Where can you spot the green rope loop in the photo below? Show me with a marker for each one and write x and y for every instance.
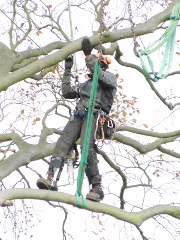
(168, 37)
(78, 201)
(83, 161)
(175, 15)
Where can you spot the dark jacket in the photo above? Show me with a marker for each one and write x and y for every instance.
(106, 89)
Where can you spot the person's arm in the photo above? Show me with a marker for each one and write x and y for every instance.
(106, 79)
(68, 91)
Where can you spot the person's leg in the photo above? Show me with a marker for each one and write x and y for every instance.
(92, 171)
(64, 144)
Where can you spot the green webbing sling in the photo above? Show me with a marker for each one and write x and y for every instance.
(85, 148)
(169, 38)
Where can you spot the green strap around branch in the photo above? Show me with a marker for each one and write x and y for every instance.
(85, 148)
(168, 37)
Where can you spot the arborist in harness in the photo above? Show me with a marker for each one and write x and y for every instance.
(75, 128)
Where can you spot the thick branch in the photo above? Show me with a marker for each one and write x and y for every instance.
(148, 133)
(24, 157)
(136, 218)
(55, 58)
(140, 147)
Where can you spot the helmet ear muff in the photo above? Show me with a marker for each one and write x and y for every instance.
(108, 59)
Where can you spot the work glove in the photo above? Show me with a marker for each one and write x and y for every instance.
(68, 63)
(86, 46)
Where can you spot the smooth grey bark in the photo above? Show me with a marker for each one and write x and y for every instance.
(135, 218)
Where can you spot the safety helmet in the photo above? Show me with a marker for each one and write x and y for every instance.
(104, 59)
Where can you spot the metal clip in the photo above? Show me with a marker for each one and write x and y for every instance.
(101, 113)
(110, 123)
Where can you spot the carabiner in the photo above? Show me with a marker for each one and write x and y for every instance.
(110, 123)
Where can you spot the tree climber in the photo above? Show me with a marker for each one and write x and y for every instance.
(75, 128)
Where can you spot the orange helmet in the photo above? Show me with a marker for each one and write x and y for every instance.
(104, 59)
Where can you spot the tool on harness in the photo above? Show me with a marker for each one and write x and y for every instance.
(70, 168)
(105, 127)
(72, 158)
(75, 162)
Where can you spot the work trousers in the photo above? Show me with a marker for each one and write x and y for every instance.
(74, 130)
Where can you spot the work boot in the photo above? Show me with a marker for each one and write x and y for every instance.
(44, 183)
(96, 194)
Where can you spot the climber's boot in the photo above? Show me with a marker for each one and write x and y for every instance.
(43, 183)
(56, 163)
(96, 194)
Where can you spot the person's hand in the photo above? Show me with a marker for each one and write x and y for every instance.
(68, 63)
(86, 46)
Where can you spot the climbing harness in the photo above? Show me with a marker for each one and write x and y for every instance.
(168, 37)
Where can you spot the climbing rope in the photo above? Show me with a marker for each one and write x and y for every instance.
(83, 161)
(167, 38)
(84, 156)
